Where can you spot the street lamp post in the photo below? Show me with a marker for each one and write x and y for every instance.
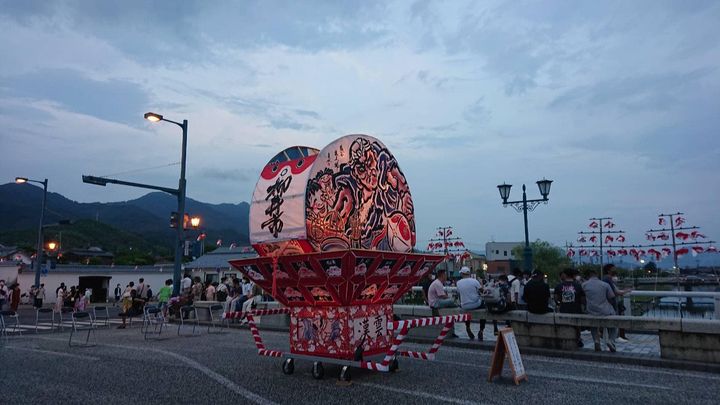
(179, 193)
(39, 254)
(524, 206)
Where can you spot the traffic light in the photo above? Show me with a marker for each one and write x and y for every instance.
(188, 223)
(173, 219)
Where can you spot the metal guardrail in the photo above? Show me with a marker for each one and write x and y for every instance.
(678, 305)
(680, 300)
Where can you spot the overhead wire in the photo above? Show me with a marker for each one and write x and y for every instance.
(142, 169)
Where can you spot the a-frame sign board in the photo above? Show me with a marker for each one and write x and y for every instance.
(507, 344)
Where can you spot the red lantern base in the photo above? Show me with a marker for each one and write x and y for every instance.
(338, 332)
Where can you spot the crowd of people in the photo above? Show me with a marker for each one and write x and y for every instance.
(530, 291)
(9, 296)
(236, 294)
(75, 297)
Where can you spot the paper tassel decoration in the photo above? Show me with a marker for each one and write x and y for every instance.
(655, 253)
(696, 234)
(681, 251)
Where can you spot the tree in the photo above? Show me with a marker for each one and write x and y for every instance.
(547, 258)
(650, 267)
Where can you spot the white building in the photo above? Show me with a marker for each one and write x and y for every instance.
(495, 251)
(101, 279)
(500, 259)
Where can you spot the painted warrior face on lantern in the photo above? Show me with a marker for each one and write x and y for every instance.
(364, 163)
(357, 197)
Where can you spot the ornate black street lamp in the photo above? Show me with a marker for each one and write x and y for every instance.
(524, 206)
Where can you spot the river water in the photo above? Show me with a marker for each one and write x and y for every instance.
(675, 307)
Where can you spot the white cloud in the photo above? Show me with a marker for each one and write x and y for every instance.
(466, 95)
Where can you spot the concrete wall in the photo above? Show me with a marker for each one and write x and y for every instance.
(52, 281)
(696, 340)
(680, 339)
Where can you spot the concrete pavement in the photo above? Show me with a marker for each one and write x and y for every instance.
(225, 368)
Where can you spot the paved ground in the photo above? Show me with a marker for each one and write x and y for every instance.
(124, 368)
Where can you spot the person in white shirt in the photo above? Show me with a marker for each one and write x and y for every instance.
(254, 296)
(60, 300)
(185, 284)
(514, 281)
(437, 297)
(521, 304)
(4, 295)
(469, 290)
(247, 286)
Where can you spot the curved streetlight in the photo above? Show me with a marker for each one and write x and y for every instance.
(178, 192)
(180, 240)
(524, 206)
(39, 254)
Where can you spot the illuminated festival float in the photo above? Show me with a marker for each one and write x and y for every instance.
(335, 231)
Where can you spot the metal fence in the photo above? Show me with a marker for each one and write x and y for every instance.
(660, 304)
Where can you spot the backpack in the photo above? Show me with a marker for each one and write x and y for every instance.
(497, 299)
(221, 295)
(491, 295)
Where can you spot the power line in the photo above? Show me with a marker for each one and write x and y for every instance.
(141, 170)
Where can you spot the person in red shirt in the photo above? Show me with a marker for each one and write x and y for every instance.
(15, 297)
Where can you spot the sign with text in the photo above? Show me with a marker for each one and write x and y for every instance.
(507, 344)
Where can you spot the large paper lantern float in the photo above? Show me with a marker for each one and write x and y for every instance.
(334, 230)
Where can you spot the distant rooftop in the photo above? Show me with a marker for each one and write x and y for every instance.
(218, 258)
(79, 268)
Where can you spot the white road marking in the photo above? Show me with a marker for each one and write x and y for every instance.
(588, 363)
(77, 356)
(564, 376)
(421, 394)
(603, 381)
(222, 380)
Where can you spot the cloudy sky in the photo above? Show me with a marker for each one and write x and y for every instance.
(617, 102)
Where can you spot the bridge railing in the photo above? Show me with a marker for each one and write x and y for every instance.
(666, 304)
(673, 304)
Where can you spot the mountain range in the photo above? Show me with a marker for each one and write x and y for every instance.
(147, 217)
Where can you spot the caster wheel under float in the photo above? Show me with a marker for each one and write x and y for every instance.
(288, 366)
(394, 365)
(318, 372)
(344, 374)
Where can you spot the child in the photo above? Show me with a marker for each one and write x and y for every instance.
(80, 302)
(164, 296)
